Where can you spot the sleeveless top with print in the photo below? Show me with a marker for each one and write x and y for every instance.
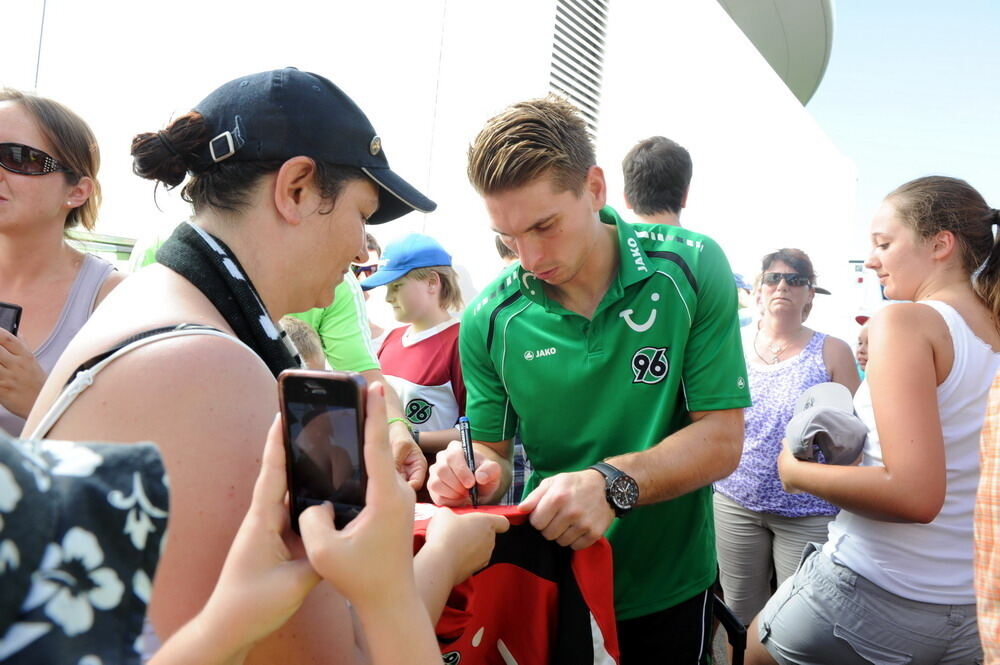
(755, 484)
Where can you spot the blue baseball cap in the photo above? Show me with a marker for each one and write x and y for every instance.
(400, 257)
(284, 113)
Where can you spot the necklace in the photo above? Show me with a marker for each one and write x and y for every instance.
(775, 350)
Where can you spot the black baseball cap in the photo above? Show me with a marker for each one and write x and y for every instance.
(284, 113)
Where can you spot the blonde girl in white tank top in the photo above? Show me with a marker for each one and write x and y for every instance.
(905, 531)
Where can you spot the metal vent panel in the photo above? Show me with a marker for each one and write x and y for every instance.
(578, 54)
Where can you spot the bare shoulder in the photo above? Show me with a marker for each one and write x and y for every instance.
(110, 282)
(907, 319)
(834, 347)
(174, 389)
(839, 360)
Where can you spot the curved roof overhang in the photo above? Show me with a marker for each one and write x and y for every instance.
(794, 36)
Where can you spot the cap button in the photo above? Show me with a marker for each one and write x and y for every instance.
(375, 147)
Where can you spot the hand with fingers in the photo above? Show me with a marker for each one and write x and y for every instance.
(262, 583)
(450, 478)
(410, 462)
(21, 377)
(370, 561)
(456, 546)
(570, 508)
(372, 554)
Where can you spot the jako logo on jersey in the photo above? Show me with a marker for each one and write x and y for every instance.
(451, 658)
(640, 263)
(419, 411)
(540, 353)
(650, 365)
(640, 327)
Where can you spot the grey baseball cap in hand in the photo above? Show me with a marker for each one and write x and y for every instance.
(824, 420)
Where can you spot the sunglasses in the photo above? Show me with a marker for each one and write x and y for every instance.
(791, 278)
(365, 271)
(23, 159)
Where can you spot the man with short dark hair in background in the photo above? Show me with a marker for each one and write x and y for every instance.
(657, 177)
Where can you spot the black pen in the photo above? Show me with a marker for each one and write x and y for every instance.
(464, 431)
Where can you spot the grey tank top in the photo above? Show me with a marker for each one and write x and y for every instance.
(75, 312)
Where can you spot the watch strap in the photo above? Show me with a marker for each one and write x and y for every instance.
(608, 471)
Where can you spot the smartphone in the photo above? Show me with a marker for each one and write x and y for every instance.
(323, 416)
(10, 317)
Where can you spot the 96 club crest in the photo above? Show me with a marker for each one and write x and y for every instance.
(650, 364)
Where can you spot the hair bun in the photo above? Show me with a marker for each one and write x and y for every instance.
(164, 155)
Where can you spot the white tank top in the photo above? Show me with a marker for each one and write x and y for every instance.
(930, 563)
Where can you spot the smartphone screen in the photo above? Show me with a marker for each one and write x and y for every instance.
(10, 317)
(323, 422)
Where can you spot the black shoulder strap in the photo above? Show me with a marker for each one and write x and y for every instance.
(131, 340)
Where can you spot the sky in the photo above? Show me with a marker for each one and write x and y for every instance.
(913, 88)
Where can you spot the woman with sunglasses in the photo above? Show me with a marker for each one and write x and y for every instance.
(48, 184)
(894, 581)
(760, 528)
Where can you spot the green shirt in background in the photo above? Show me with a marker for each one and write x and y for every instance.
(343, 328)
(663, 342)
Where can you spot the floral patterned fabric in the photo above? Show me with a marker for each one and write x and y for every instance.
(81, 530)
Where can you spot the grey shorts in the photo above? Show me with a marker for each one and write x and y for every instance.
(826, 614)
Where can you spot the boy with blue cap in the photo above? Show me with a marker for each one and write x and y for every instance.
(420, 361)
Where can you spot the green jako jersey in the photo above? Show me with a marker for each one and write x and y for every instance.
(663, 342)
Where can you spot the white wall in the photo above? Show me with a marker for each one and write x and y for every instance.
(429, 74)
(765, 174)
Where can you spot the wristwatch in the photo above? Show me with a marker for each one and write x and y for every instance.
(620, 489)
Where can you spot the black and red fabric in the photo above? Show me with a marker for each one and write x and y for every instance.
(536, 603)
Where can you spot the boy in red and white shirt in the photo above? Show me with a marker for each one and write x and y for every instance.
(420, 361)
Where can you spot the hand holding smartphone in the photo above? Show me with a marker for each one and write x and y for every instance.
(10, 317)
(323, 415)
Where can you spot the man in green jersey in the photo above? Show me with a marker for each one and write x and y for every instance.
(614, 351)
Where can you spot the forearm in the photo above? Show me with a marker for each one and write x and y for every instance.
(706, 450)
(506, 470)
(433, 584)
(436, 440)
(870, 491)
(398, 630)
(399, 430)
(204, 640)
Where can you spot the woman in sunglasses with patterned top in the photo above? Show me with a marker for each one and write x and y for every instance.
(759, 526)
(48, 183)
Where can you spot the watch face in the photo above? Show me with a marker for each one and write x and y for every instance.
(624, 492)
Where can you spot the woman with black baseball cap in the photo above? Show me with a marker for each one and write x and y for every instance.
(283, 171)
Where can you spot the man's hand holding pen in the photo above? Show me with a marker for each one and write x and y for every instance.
(464, 474)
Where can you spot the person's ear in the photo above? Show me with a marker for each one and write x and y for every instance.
(295, 192)
(80, 192)
(943, 244)
(628, 204)
(433, 282)
(684, 199)
(596, 188)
